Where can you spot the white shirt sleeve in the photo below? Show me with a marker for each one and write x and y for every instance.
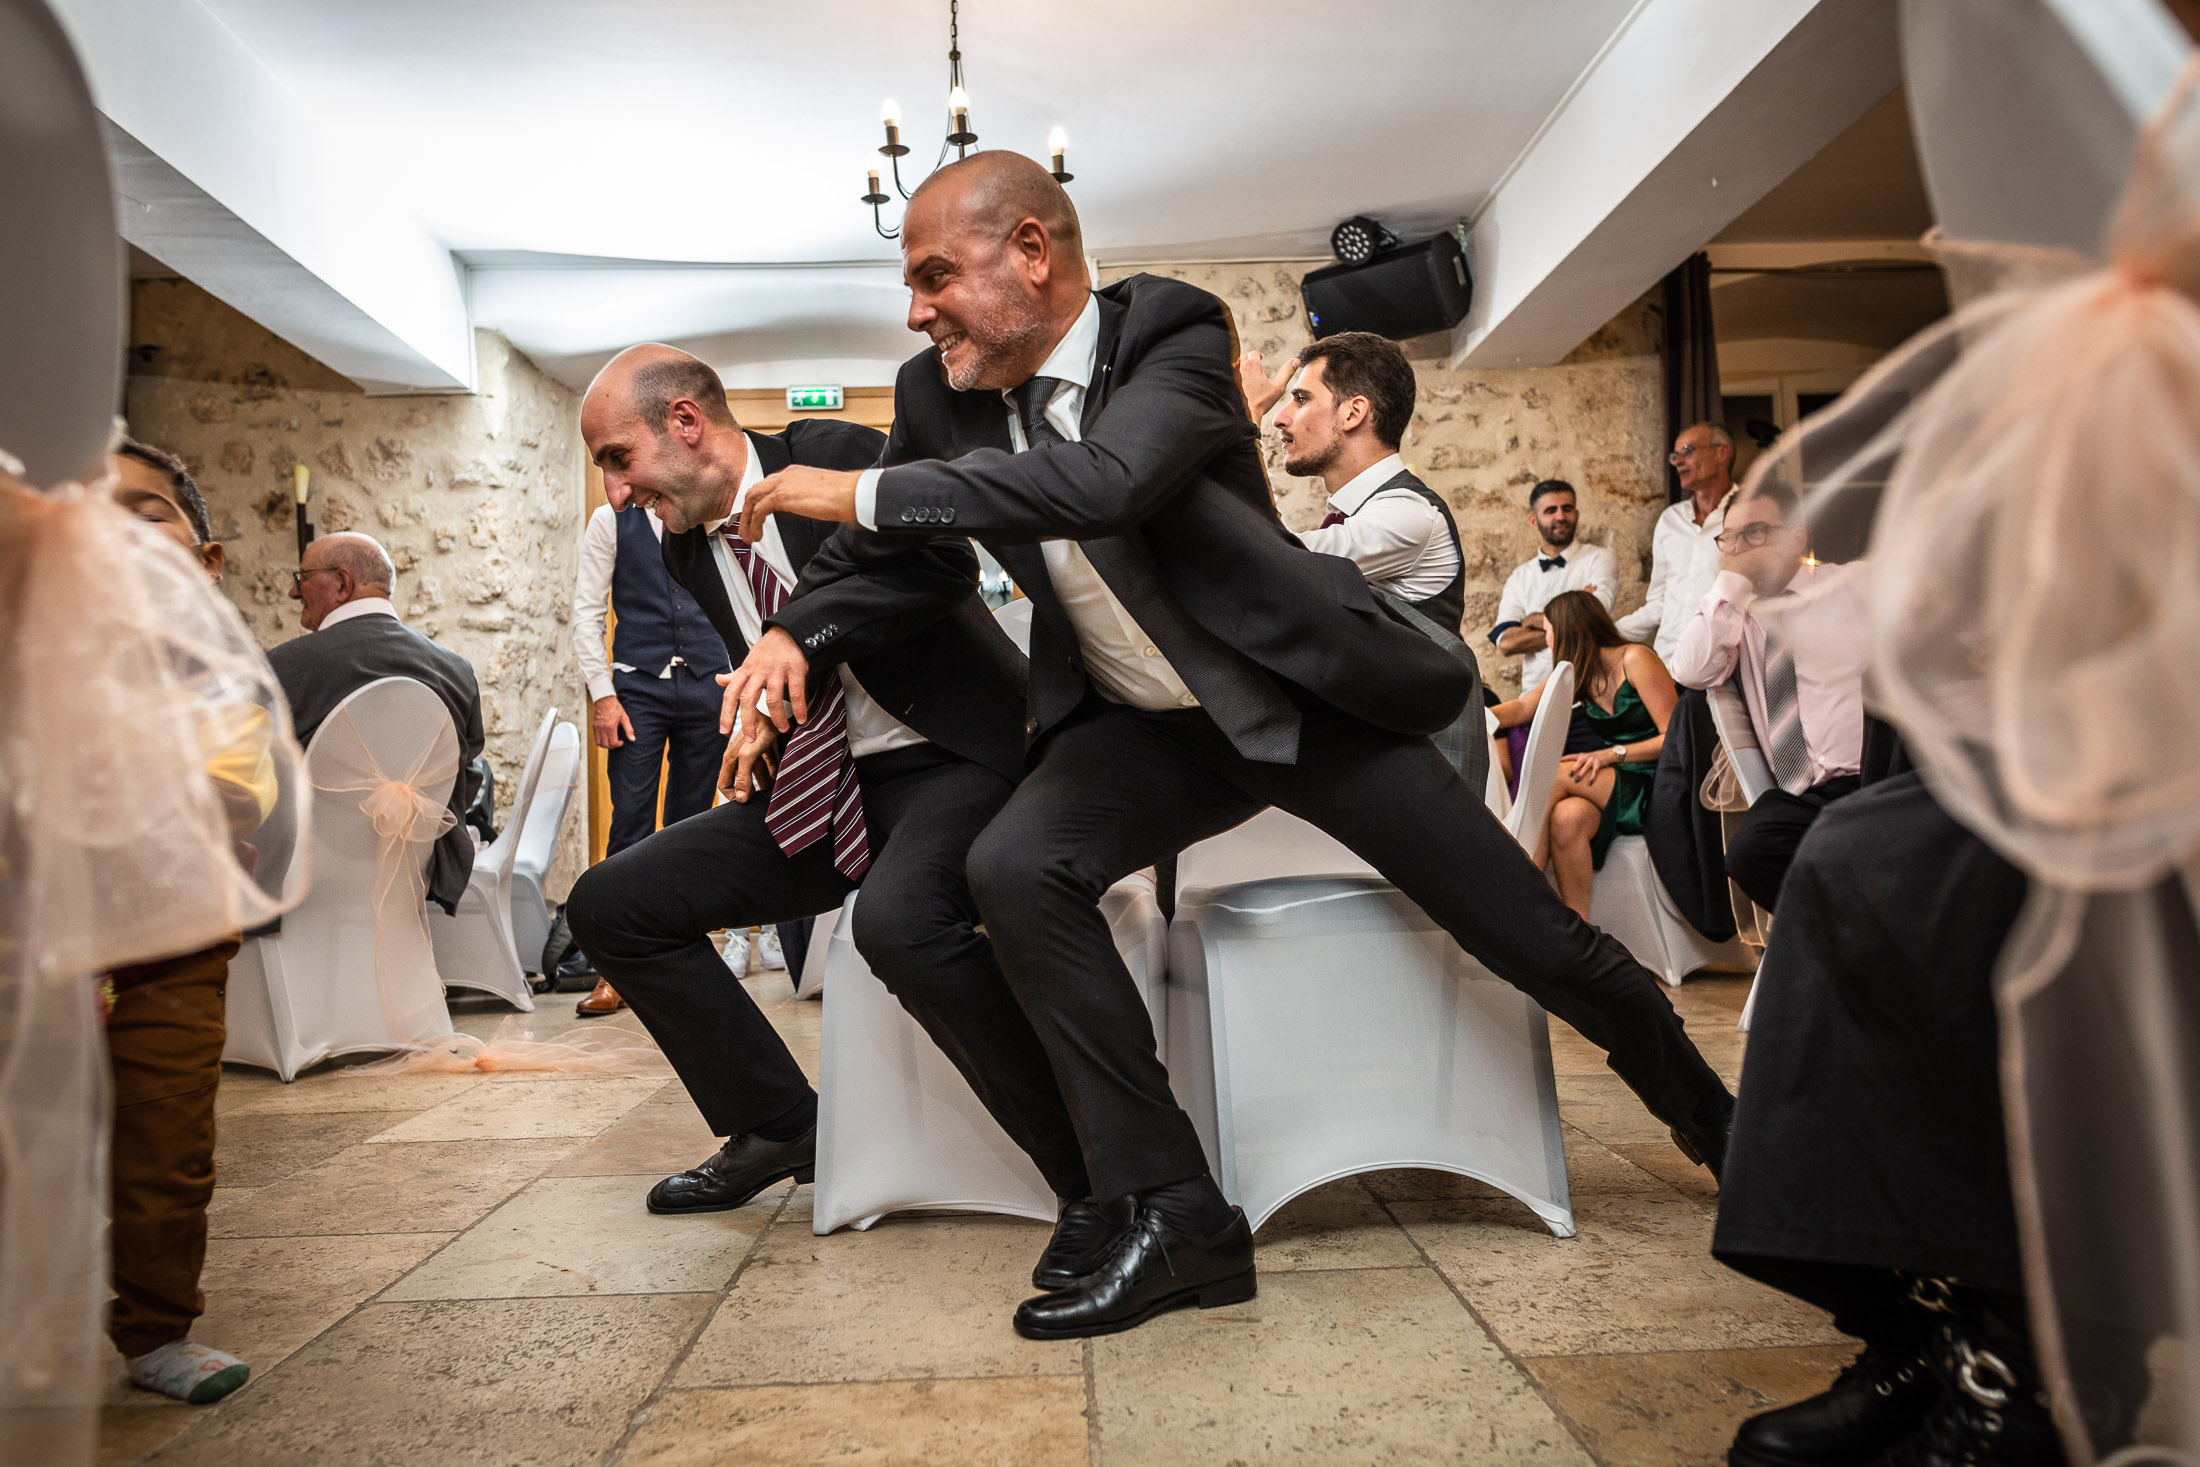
(867, 498)
(1386, 538)
(1641, 624)
(592, 600)
(1512, 605)
(1711, 648)
(1601, 569)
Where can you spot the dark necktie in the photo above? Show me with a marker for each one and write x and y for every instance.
(1556, 562)
(1332, 518)
(815, 788)
(1031, 410)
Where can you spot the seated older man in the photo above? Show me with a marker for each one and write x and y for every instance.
(353, 637)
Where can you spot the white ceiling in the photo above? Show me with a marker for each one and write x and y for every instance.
(629, 134)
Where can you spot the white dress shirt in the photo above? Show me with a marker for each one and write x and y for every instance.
(1120, 658)
(1396, 538)
(1684, 558)
(592, 600)
(1530, 588)
(358, 606)
(1825, 629)
(871, 729)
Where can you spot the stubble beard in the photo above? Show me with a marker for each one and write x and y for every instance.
(1314, 463)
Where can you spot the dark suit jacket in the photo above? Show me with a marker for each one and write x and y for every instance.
(320, 669)
(1167, 495)
(907, 620)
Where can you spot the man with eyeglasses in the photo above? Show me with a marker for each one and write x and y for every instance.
(1683, 558)
(1791, 632)
(342, 585)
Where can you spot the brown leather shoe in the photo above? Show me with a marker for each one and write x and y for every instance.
(602, 999)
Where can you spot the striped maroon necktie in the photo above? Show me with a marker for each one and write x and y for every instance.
(815, 789)
(1332, 518)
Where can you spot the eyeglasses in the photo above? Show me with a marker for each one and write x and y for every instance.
(298, 577)
(1748, 537)
(1688, 451)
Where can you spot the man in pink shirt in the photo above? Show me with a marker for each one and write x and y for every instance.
(1802, 677)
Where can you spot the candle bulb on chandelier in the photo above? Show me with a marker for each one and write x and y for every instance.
(1058, 145)
(889, 112)
(958, 108)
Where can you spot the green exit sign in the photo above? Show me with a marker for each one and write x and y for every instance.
(813, 399)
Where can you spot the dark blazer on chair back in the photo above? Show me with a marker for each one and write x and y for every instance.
(321, 669)
(910, 625)
(1167, 495)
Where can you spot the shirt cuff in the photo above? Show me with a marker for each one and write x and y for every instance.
(1500, 629)
(601, 687)
(1730, 586)
(867, 498)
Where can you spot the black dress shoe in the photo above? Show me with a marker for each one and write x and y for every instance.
(1875, 1403)
(1704, 1142)
(1082, 1234)
(743, 1167)
(1150, 1268)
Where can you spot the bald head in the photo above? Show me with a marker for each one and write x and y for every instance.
(657, 422)
(995, 192)
(339, 568)
(995, 263)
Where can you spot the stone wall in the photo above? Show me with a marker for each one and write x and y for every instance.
(1482, 439)
(477, 498)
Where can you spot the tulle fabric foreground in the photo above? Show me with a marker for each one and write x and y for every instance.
(126, 677)
(406, 809)
(2025, 481)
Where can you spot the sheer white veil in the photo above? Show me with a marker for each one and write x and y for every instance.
(2023, 480)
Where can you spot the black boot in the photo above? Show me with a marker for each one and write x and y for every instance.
(1993, 1409)
(1876, 1402)
(1082, 1232)
(1151, 1267)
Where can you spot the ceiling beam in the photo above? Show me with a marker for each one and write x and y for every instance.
(1693, 112)
(226, 177)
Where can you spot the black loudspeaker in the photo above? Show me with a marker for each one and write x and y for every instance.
(1408, 291)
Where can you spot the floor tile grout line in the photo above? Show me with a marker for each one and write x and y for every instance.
(1092, 1406)
(864, 1380)
(640, 1415)
(1558, 1412)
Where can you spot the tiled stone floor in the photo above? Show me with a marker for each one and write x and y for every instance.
(430, 1270)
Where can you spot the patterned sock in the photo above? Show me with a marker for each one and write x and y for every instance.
(190, 1372)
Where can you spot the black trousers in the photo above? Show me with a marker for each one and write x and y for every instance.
(645, 916)
(679, 714)
(1764, 846)
(1116, 789)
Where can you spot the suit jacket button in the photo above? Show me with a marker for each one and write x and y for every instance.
(908, 515)
(947, 516)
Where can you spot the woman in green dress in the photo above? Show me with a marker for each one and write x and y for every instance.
(1627, 695)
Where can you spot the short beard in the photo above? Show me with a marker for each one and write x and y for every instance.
(1569, 531)
(1315, 462)
(996, 338)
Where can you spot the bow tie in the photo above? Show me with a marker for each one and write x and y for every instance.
(1556, 562)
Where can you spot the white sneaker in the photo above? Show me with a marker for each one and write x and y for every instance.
(736, 952)
(768, 953)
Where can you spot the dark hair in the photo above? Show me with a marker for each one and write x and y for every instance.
(1550, 486)
(658, 385)
(1580, 628)
(1362, 364)
(179, 479)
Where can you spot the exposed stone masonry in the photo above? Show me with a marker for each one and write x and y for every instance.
(477, 497)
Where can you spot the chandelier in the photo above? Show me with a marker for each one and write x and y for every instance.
(960, 137)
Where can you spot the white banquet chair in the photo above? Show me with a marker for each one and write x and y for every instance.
(474, 948)
(538, 844)
(1554, 715)
(1752, 775)
(312, 989)
(898, 1128)
(1321, 1025)
(810, 982)
(1632, 904)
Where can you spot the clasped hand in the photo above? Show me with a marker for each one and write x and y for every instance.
(765, 696)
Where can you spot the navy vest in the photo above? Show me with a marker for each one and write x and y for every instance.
(658, 619)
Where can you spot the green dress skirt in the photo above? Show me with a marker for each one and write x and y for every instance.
(1629, 722)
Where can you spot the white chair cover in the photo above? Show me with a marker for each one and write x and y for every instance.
(1539, 761)
(342, 975)
(475, 948)
(538, 845)
(1494, 793)
(1320, 1025)
(898, 1129)
(1752, 774)
(1631, 903)
(810, 983)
